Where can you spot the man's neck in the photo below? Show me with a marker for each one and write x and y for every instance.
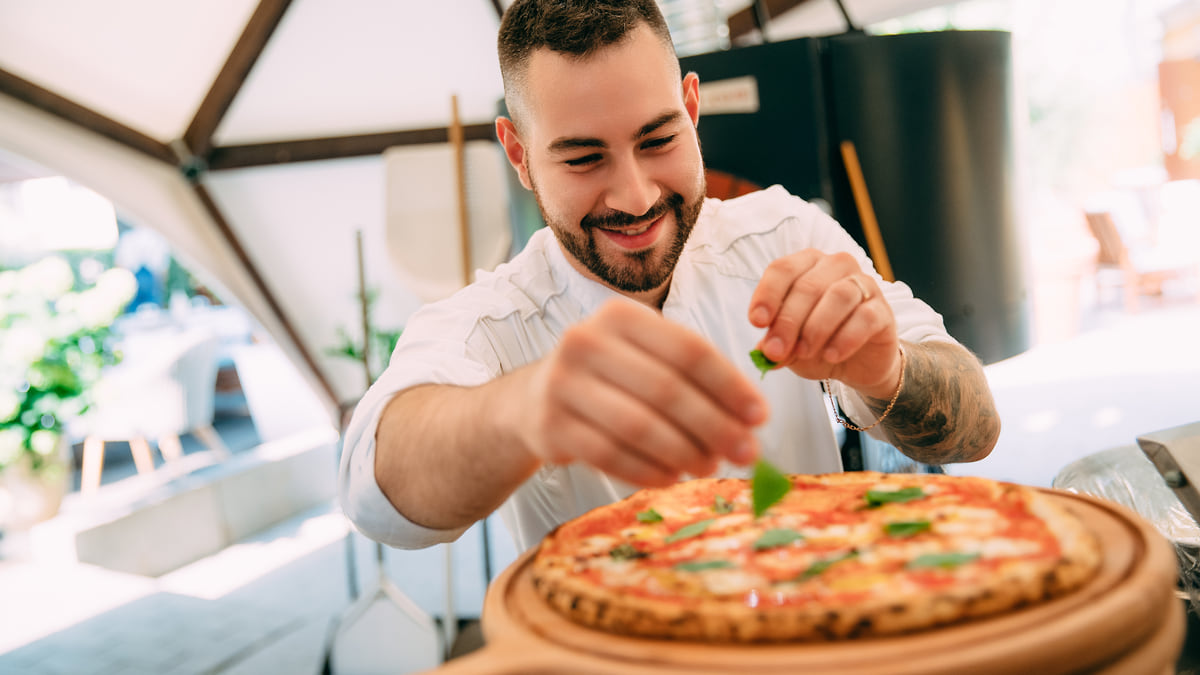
(653, 298)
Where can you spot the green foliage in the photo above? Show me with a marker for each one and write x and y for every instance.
(649, 516)
(777, 537)
(381, 342)
(877, 498)
(767, 486)
(761, 362)
(688, 531)
(54, 342)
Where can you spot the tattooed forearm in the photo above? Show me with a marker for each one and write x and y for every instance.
(945, 412)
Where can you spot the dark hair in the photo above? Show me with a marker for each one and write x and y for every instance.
(576, 27)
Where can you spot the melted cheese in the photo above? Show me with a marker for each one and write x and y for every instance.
(732, 581)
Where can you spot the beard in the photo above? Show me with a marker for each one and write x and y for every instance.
(632, 271)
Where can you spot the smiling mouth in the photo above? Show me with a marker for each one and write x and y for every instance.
(634, 230)
(631, 232)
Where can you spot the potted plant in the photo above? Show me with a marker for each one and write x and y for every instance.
(55, 338)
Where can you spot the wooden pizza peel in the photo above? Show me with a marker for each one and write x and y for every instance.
(1125, 621)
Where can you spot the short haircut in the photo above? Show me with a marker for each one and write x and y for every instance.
(575, 27)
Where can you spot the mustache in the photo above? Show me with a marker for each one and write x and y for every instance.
(620, 220)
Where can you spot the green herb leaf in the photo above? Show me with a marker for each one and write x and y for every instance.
(762, 362)
(779, 537)
(942, 560)
(626, 551)
(688, 531)
(767, 486)
(906, 528)
(822, 565)
(722, 505)
(649, 516)
(702, 565)
(876, 498)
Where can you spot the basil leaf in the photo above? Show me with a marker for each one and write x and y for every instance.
(822, 565)
(942, 560)
(779, 537)
(722, 505)
(762, 362)
(688, 531)
(767, 486)
(649, 516)
(701, 565)
(906, 528)
(626, 551)
(876, 498)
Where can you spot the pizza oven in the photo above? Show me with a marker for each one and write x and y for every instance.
(929, 115)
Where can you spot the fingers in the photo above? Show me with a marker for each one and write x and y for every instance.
(775, 285)
(639, 436)
(821, 308)
(842, 321)
(596, 448)
(687, 356)
(667, 413)
(643, 399)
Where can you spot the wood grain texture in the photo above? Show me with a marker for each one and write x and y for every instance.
(1126, 620)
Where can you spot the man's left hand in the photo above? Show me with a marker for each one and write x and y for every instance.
(826, 318)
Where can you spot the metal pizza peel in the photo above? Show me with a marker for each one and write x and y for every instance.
(1175, 452)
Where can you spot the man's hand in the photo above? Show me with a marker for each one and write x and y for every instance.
(640, 398)
(827, 319)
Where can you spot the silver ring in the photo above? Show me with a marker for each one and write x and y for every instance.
(866, 295)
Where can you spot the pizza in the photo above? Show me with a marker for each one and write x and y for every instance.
(838, 556)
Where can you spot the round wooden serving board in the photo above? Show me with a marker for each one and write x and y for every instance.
(1126, 620)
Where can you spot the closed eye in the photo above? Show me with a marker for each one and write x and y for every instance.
(583, 161)
(658, 142)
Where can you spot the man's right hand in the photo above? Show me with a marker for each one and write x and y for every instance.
(640, 398)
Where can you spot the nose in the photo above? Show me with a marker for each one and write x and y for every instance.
(632, 190)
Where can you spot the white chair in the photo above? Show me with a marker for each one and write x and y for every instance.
(164, 390)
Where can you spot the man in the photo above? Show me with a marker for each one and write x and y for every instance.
(613, 352)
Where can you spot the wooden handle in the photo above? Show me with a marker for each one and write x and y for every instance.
(364, 307)
(866, 212)
(499, 659)
(460, 170)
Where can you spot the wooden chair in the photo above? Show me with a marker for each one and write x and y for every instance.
(160, 397)
(1141, 273)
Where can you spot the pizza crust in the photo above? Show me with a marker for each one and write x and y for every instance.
(685, 612)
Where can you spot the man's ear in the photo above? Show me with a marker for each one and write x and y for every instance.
(691, 96)
(514, 149)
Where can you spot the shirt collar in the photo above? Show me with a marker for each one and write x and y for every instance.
(589, 294)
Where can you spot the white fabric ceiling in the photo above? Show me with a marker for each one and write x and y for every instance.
(328, 69)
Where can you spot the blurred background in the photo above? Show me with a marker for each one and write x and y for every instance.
(216, 218)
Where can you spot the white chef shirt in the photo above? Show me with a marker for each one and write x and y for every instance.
(516, 314)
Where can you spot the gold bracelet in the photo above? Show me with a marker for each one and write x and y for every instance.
(850, 425)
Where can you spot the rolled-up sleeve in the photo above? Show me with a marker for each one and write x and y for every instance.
(427, 353)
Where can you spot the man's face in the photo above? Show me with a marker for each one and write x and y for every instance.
(609, 149)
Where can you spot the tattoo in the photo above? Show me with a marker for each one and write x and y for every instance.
(945, 413)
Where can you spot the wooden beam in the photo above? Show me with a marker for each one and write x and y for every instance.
(746, 20)
(850, 27)
(228, 83)
(314, 149)
(762, 17)
(66, 109)
(239, 251)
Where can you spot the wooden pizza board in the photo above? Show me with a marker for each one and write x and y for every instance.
(1126, 620)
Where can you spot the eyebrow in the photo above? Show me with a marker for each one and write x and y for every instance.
(574, 143)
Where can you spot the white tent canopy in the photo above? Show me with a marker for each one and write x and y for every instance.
(255, 136)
